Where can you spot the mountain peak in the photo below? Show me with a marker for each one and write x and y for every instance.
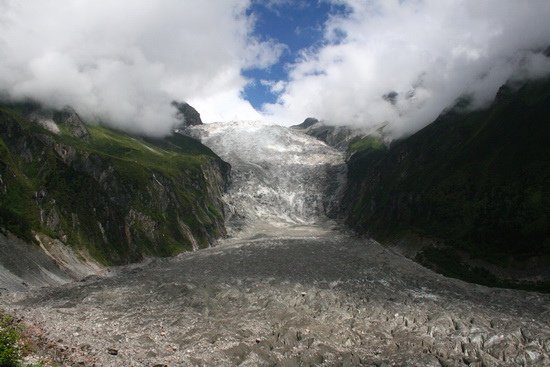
(70, 118)
(187, 114)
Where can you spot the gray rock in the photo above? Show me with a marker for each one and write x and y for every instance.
(337, 137)
(69, 118)
(187, 114)
(308, 122)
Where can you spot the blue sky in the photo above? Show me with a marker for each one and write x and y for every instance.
(298, 25)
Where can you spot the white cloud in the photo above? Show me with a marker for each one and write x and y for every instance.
(274, 86)
(124, 61)
(428, 51)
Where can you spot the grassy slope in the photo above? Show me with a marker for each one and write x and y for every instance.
(126, 172)
(479, 181)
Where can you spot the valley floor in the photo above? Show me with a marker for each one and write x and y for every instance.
(300, 297)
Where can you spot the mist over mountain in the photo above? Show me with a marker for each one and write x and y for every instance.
(106, 195)
(155, 211)
(404, 62)
(395, 62)
(289, 286)
(468, 195)
(123, 62)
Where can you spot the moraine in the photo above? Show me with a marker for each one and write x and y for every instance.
(288, 287)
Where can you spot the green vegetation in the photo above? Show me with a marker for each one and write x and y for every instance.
(10, 355)
(477, 181)
(449, 262)
(120, 197)
(365, 144)
(12, 345)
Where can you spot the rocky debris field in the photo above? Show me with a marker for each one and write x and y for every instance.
(315, 297)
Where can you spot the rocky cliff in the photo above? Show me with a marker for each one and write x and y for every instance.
(469, 195)
(105, 195)
(187, 114)
(339, 137)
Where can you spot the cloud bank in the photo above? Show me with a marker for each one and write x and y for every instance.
(403, 62)
(400, 62)
(123, 61)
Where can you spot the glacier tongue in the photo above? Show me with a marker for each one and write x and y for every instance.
(280, 177)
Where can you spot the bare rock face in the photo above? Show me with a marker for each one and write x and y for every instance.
(187, 114)
(308, 122)
(24, 265)
(337, 137)
(74, 123)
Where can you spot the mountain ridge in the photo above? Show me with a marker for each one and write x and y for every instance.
(469, 190)
(117, 197)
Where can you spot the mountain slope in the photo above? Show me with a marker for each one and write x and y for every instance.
(113, 196)
(475, 186)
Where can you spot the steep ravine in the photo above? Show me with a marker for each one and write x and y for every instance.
(288, 288)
